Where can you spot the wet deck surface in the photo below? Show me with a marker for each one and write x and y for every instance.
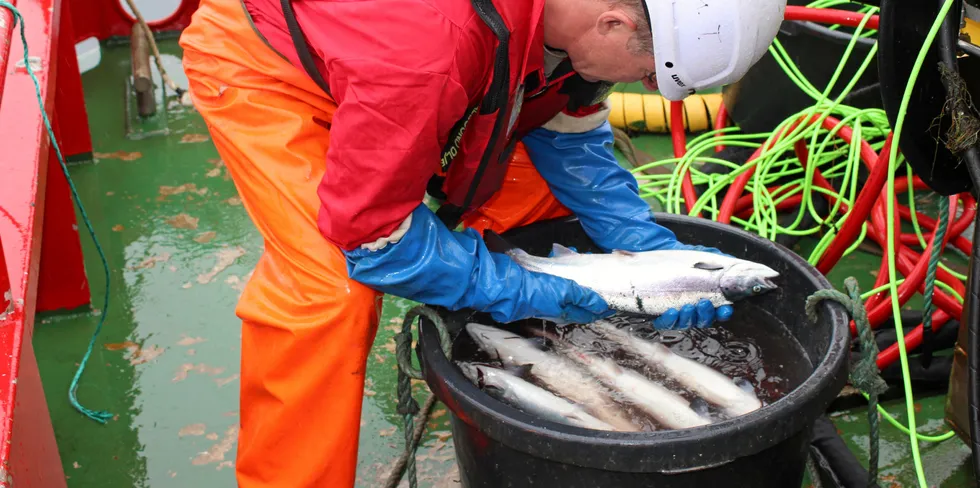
(180, 247)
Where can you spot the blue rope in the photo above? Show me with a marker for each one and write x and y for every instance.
(98, 416)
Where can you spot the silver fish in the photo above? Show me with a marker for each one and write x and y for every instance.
(707, 383)
(651, 282)
(557, 373)
(667, 407)
(529, 397)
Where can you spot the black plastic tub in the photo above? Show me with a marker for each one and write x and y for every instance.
(500, 446)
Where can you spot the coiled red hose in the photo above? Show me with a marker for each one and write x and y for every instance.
(869, 208)
(862, 208)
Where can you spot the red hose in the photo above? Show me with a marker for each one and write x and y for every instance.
(914, 271)
(902, 184)
(877, 232)
(735, 190)
(746, 201)
(940, 298)
(928, 223)
(959, 242)
(925, 221)
(913, 339)
(802, 153)
(790, 203)
(913, 267)
(720, 123)
(911, 264)
(862, 207)
(868, 155)
(680, 149)
(969, 212)
(957, 225)
(829, 16)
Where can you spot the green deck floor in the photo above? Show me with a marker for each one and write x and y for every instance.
(180, 247)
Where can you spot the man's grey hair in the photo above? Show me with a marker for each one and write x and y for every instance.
(642, 41)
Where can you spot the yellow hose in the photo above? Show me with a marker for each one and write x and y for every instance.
(650, 112)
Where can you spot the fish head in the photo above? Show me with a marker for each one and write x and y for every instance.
(747, 279)
(489, 338)
(470, 371)
(483, 377)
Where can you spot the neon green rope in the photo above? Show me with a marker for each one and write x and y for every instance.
(890, 249)
(778, 165)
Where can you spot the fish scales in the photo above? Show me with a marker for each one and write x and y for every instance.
(709, 384)
(557, 373)
(532, 398)
(653, 282)
(667, 407)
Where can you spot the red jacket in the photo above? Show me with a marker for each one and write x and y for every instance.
(405, 73)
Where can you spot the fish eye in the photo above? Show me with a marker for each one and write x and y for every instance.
(757, 289)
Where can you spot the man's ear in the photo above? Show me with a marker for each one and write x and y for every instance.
(611, 20)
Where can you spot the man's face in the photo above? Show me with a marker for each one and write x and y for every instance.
(605, 53)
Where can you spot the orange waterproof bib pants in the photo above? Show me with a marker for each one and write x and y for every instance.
(306, 327)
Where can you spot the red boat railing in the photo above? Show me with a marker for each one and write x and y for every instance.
(41, 266)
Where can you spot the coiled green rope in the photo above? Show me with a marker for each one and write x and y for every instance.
(408, 408)
(864, 375)
(779, 166)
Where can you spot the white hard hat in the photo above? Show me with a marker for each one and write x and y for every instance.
(702, 44)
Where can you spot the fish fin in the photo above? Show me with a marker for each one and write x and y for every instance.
(558, 250)
(496, 243)
(708, 266)
(492, 391)
(523, 371)
(624, 253)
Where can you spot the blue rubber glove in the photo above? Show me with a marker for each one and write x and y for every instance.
(701, 315)
(583, 174)
(433, 265)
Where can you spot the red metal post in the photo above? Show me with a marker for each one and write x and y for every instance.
(34, 457)
(75, 138)
(62, 284)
